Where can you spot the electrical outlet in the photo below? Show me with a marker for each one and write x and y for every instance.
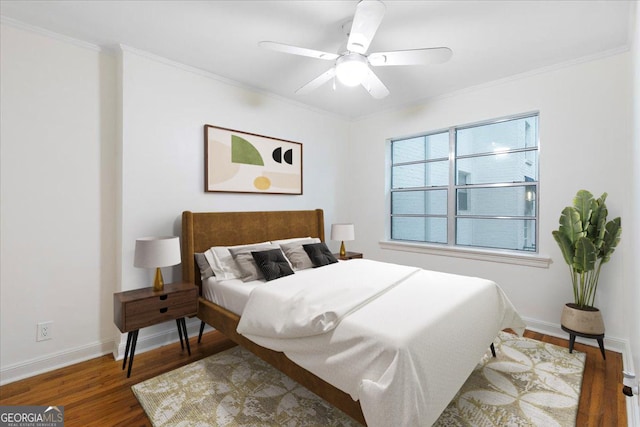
(44, 331)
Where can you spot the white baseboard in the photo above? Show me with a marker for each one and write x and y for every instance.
(40, 365)
(610, 343)
(619, 345)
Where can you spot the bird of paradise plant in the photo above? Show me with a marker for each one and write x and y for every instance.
(587, 241)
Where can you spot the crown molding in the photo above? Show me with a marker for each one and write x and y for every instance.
(228, 81)
(41, 31)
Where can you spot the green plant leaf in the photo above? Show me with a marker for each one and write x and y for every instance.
(584, 204)
(596, 228)
(613, 230)
(585, 256)
(565, 246)
(570, 224)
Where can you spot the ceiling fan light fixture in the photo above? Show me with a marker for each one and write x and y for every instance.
(353, 61)
(351, 69)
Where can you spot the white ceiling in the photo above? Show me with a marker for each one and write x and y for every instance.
(490, 40)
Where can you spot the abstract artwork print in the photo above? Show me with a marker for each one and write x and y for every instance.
(242, 162)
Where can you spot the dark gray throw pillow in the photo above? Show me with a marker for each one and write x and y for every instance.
(320, 254)
(244, 260)
(272, 264)
(205, 269)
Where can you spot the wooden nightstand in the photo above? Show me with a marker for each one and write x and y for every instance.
(348, 255)
(139, 308)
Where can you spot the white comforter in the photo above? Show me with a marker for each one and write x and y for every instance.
(403, 346)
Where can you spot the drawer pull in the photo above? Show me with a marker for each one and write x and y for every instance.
(163, 297)
(164, 310)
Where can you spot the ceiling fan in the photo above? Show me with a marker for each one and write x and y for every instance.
(352, 65)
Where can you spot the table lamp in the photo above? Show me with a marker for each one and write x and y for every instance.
(342, 232)
(156, 252)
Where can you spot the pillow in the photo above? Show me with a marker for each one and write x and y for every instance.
(222, 263)
(296, 254)
(319, 254)
(205, 268)
(294, 239)
(246, 264)
(272, 264)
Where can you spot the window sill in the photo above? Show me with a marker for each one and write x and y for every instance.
(503, 257)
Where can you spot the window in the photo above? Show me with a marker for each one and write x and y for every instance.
(474, 186)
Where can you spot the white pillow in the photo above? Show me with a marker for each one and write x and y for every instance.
(295, 253)
(294, 239)
(222, 263)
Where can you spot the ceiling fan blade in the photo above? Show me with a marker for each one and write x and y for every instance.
(433, 55)
(317, 82)
(295, 50)
(374, 85)
(366, 21)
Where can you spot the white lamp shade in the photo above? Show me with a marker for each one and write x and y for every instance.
(154, 252)
(343, 232)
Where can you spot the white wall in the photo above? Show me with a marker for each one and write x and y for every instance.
(99, 149)
(585, 140)
(633, 276)
(164, 108)
(57, 210)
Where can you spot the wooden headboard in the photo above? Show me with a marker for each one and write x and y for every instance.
(202, 230)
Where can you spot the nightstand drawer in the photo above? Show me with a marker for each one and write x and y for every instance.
(141, 319)
(139, 308)
(153, 304)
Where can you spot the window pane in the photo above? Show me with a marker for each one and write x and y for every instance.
(504, 201)
(426, 147)
(511, 167)
(496, 137)
(438, 146)
(432, 202)
(516, 234)
(420, 175)
(408, 150)
(419, 229)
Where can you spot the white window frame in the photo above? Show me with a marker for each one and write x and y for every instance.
(529, 258)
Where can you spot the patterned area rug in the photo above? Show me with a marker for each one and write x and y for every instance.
(529, 383)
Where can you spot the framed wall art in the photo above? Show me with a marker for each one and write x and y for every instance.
(241, 162)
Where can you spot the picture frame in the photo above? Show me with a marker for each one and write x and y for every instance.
(243, 162)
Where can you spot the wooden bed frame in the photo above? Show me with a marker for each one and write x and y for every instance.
(201, 231)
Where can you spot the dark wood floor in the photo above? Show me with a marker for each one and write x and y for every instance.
(98, 393)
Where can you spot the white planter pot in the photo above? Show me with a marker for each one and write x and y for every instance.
(586, 320)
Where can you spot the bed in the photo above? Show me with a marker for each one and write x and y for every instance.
(415, 370)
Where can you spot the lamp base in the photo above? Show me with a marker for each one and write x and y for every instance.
(343, 251)
(158, 283)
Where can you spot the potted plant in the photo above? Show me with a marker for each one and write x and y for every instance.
(587, 241)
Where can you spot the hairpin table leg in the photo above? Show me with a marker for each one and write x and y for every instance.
(201, 331)
(126, 351)
(180, 333)
(133, 350)
(182, 328)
